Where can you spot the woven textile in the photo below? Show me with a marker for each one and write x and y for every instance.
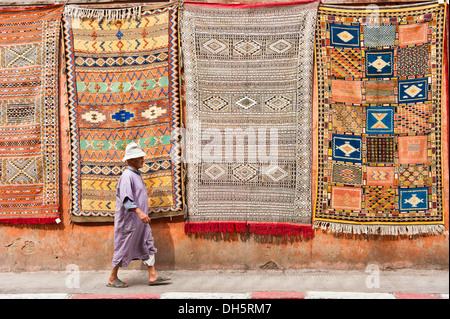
(123, 87)
(249, 117)
(29, 130)
(380, 120)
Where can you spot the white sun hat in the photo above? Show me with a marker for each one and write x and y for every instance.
(133, 151)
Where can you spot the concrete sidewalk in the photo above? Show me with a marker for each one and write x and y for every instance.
(265, 284)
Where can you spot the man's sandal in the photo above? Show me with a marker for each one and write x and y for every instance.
(117, 284)
(159, 280)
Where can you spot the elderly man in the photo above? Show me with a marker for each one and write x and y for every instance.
(133, 238)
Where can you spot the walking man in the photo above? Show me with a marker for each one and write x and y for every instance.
(133, 238)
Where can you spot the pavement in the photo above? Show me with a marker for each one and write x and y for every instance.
(230, 284)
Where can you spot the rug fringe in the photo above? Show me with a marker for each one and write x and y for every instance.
(384, 230)
(16, 221)
(108, 14)
(278, 229)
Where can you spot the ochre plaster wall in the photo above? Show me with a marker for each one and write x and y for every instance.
(90, 246)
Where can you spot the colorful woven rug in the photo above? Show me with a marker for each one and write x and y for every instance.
(123, 86)
(29, 130)
(380, 120)
(248, 75)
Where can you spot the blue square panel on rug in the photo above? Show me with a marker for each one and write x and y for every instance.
(347, 148)
(345, 36)
(380, 120)
(413, 199)
(379, 64)
(411, 91)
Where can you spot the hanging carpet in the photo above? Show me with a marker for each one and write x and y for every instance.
(381, 123)
(248, 72)
(123, 86)
(29, 129)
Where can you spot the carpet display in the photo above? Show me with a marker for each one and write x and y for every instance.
(248, 72)
(29, 128)
(123, 86)
(380, 130)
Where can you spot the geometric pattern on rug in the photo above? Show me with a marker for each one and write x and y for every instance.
(413, 118)
(123, 86)
(391, 129)
(345, 63)
(340, 115)
(29, 126)
(248, 81)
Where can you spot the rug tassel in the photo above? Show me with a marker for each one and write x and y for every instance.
(384, 230)
(108, 14)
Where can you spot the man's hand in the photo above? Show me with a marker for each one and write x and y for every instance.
(142, 216)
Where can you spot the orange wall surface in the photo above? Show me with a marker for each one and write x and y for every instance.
(90, 246)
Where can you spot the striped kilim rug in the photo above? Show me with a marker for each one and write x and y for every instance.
(29, 130)
(123, 86)
(381, 123)
(248, 72)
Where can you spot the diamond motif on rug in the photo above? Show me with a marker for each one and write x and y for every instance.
(21, 55)
(280, 46)
(22, 171)
(245, 172)
(275, 173)
(215, 171)
(247, 47)
(246, 103)
(278, 102)
(215, 103)
(215, 46)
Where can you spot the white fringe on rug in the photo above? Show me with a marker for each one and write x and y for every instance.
(108, 14)
(393, 230)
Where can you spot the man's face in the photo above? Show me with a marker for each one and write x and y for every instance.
(136, 162)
